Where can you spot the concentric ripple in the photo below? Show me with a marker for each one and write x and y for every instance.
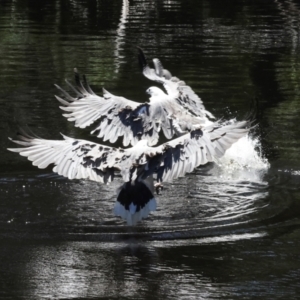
(215, 200)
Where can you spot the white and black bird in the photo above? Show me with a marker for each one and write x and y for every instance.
(139, 165)
(176, 89)
(121, 117)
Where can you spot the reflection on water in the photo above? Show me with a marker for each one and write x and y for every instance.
(120, 39)
(228, 230)
(139, 270)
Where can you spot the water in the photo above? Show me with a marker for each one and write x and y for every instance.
(228, 230)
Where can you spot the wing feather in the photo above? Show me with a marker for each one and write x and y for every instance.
(120, 117)
(176, 88)
(74, 158)
(71, 158)
(184, 154)
(117, 116)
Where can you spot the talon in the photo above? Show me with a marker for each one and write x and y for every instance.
(158, 187)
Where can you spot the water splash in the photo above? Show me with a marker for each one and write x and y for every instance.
(243, 161)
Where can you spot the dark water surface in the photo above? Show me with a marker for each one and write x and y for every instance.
(222, 232)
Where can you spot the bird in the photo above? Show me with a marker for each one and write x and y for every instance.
(134, 121)
(142, 167)
(121, 117)
(174, 113)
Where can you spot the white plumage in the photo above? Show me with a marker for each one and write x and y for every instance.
(179, 111)
(81, 159)
(174, 113)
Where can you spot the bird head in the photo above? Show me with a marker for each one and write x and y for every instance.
(155, 92)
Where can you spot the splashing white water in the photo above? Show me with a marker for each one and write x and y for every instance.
(243, 161)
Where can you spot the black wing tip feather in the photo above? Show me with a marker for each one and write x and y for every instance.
(253, 113)
(28, 133)
(142, 58)
(85, 87)
(23, 138)
(81, 88)
(78, 82)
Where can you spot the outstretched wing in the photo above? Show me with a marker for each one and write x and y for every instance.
(198, 147)
(117, 116)
(176, 88)
(73, 158)
(182, 155)
(224, 135)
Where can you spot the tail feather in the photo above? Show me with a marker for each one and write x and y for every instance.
(134, 202)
